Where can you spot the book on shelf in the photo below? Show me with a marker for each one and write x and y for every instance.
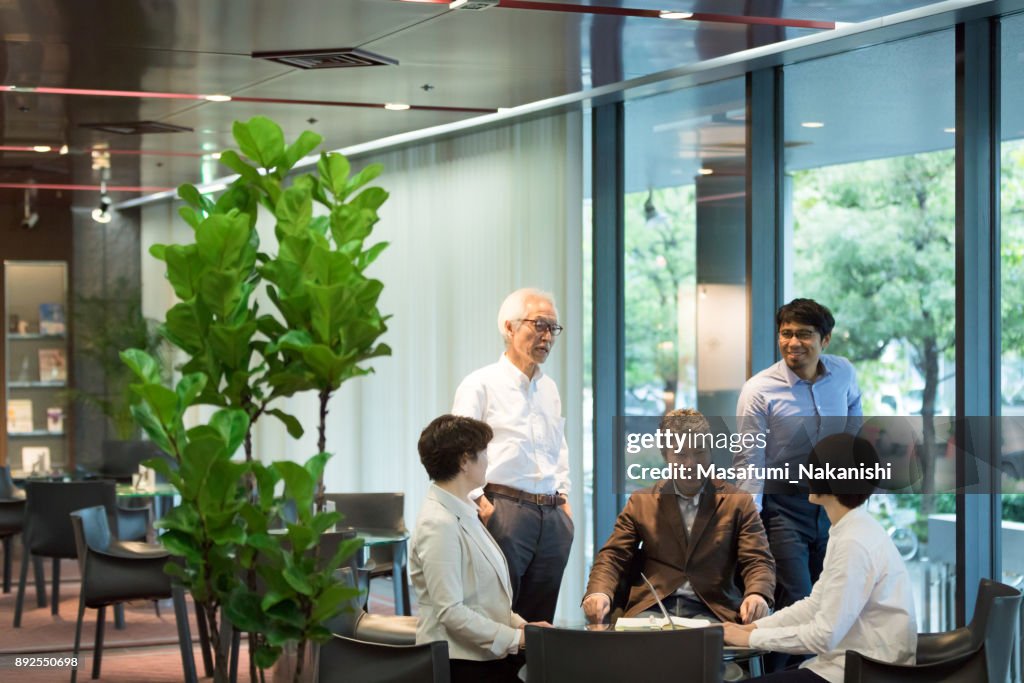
(35, 459)
(53, 365)
(51, 319)
(55, 419)
(19, 415)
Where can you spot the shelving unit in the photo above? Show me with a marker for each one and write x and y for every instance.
(36, 361)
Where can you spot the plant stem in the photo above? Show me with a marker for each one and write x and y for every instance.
(321, 444)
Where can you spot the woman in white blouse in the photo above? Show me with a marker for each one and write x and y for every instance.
(862, 601)
(458, 571)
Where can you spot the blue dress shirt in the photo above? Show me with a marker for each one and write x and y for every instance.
(795, 414)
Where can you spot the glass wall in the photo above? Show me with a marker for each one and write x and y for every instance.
(685, 297)
(1012, 303)
(869, 232)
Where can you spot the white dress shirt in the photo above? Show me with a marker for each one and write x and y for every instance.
(528, 451)
(461, 581)
(862, 601)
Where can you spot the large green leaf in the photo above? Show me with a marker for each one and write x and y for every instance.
(261, 140)
(294, 210)
(183, 269)
(232, 426)
(222, 239)
(334, 170)
(145, 367)
(290, 422)
(231, 344)
(306, 143)
(231, 159)
(298, 485)
(298, 581)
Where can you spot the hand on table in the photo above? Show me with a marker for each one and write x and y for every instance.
(596, 606)
(738, 635)
(522, 632)
(753, 608)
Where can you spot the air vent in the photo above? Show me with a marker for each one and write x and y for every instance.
(337, 58)
(136, 127)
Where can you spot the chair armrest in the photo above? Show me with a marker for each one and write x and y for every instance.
(936, 647)
(968, 667)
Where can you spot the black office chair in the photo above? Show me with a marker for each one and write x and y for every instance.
(12, 518)
(48, 531)
(995, 624)
(346, 659)
(381, 512)
(355, 622)
(558, 655)
(966, 667)
(113, 572)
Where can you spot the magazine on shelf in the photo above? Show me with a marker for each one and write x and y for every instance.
(51, 319)
(55, 419)
(35, 459)
(53, 365)
(19, 415)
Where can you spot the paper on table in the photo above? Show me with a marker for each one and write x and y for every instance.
(655, 623)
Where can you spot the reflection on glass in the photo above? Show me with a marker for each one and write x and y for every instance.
(685, 296)
(870, 234)
(1012, 303)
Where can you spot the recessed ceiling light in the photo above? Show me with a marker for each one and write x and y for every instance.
(455, 4)
(215, 156)
(812, 124)
(41, 148)
(63, 149)
(396, 106)
(217, 98)
(672, 14)
(949, 130)
(705, 171)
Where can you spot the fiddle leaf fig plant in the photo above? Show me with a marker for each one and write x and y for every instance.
(322, 328)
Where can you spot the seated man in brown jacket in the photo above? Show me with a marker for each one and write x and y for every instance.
(688, 537)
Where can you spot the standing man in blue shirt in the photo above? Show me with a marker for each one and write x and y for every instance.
(795, 403)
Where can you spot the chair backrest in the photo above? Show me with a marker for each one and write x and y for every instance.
(92, 531)
(48, 530)
(996, 623)
(346, 659)
(554, 654)
(371, 510)
(7, 487)
(964, 668)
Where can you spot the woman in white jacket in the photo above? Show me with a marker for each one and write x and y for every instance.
(458, 571)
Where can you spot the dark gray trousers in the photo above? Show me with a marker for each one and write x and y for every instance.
(535, 540)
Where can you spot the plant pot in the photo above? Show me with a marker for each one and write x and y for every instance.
(283, 670)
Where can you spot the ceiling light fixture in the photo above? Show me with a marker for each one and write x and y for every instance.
(101, 214)
(396, 106)
(63, 150)
(673, 14)
(949, 130)
(42, 149)
(217, 98)
(31, 217)
(812, 124)
(456, 4)
(705, 171)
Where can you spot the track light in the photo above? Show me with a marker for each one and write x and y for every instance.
(101, 214)
(31, 217)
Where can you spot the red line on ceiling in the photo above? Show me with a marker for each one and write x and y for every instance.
(90, 188)
(653, 13)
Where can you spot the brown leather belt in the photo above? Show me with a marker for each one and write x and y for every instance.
(550, 499)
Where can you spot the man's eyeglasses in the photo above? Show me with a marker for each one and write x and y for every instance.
(802, 335)
(543, 326)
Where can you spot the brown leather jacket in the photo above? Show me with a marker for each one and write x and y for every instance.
(727, 534)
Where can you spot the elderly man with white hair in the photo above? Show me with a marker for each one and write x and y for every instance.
(525, 503)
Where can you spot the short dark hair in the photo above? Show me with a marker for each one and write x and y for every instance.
(446, 440)
(844, 450)
(682, 421)
(806, 312)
